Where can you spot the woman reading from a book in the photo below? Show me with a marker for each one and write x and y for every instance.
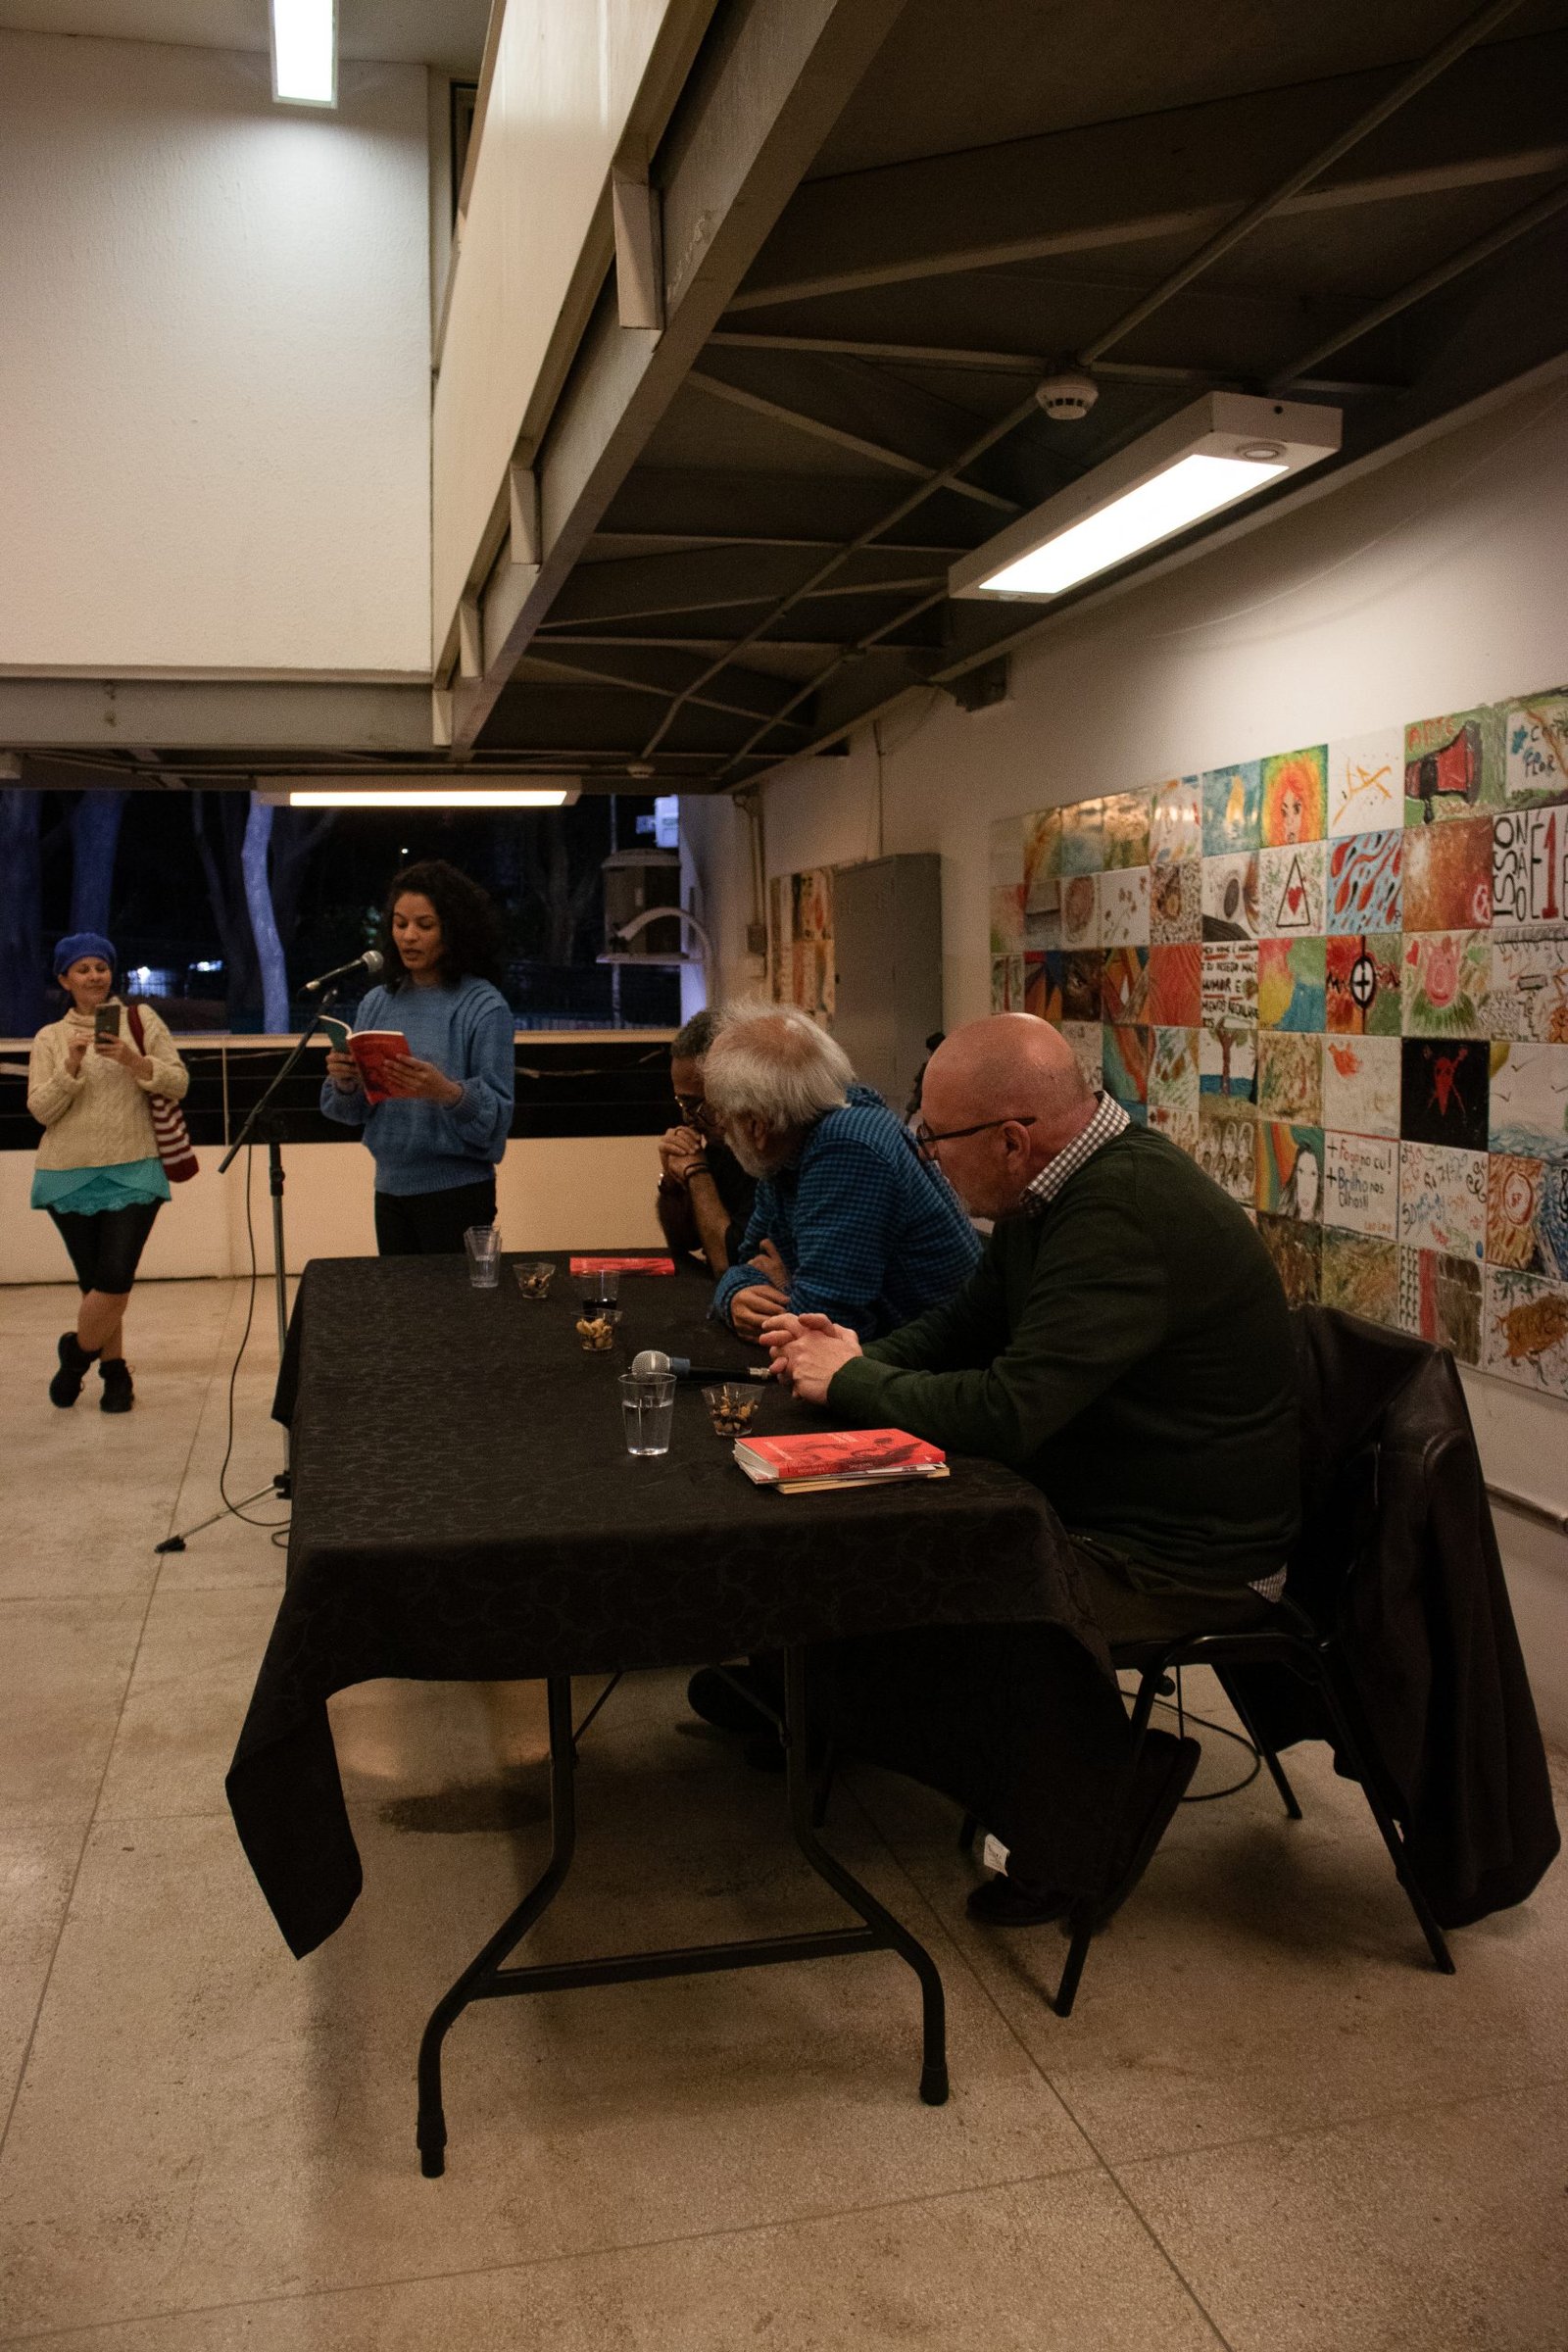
(438, 1135)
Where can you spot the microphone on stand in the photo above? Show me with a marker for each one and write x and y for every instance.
(369, 963)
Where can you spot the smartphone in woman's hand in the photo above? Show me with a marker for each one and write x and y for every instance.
(105, 1020)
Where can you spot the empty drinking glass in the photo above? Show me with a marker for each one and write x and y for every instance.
(484, 1245)
(648, 1407)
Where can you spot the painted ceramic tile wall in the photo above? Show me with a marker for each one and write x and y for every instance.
(1337, 976)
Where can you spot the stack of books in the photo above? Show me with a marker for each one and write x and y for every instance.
(841, 1457)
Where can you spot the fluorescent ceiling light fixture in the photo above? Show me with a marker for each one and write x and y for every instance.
(1225, 447)
(331, 796)
(305, 52)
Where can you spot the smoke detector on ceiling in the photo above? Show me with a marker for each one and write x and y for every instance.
(1067, 398)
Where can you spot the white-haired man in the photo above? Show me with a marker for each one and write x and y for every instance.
(849, 1222)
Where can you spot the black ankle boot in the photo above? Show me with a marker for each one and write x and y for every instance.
(119, 1395)
(74, 1364)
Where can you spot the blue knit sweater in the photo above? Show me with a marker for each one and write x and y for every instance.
(871, 1234)
(469, 1033)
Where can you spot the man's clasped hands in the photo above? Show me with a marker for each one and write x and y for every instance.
(806, 1351)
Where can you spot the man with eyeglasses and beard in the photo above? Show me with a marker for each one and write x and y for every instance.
(705, 1196)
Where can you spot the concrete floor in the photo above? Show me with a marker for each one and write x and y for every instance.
(1267, 2126)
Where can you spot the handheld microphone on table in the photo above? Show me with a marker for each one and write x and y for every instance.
(653, 1361)
(370, 964)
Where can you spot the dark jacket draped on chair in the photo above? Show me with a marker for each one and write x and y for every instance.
(1398, 1554)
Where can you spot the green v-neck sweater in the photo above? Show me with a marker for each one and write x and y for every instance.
(1129, 1351)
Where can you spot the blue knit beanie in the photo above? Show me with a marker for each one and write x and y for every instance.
(78, 944)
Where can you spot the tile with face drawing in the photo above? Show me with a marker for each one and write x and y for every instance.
(1294, 797)
(1289, 1171)
(1227, 1149)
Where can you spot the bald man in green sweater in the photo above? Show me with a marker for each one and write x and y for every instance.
(1124, 1344)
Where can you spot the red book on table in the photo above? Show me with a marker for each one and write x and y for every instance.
(839, 1457)
(623, 1265)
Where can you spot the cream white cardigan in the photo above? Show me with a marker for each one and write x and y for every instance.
(99, 1118)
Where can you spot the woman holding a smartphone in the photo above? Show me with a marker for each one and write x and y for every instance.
(98, 1172)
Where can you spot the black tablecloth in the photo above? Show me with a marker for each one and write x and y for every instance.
(464, 1509)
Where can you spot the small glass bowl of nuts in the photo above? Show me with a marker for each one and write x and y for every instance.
(732, 1406)
(534, 1276)
(596, 1327)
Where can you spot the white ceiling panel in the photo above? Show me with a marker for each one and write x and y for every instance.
(449, 33)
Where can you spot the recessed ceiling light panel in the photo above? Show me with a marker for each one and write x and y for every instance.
(305, 52)
(1223, 447)
(412, 792)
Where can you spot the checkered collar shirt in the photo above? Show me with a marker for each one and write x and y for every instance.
(1107, 1123)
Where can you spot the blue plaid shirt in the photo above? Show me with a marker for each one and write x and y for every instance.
(871, 1233)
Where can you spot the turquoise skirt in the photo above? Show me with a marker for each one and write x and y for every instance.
(87, 1191)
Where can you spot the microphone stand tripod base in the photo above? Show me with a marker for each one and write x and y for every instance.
(263, 1122)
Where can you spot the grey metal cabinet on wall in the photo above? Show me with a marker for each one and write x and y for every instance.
(887, 937)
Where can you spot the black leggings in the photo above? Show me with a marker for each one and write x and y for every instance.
(106, 1248)
(433, 1224)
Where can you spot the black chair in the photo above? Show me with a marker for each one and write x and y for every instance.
(1296, 1644)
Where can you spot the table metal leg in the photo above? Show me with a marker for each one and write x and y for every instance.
(887, 1933)
(488, 1979)
(480, 1973)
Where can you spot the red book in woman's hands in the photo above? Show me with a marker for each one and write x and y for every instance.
(371, 1049)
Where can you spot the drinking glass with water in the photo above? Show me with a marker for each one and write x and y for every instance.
(648, 1407)
(484, 1245)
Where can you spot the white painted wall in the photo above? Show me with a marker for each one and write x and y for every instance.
(552, 1193)
(214, 365)
(565, 80)
(1437, 582)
